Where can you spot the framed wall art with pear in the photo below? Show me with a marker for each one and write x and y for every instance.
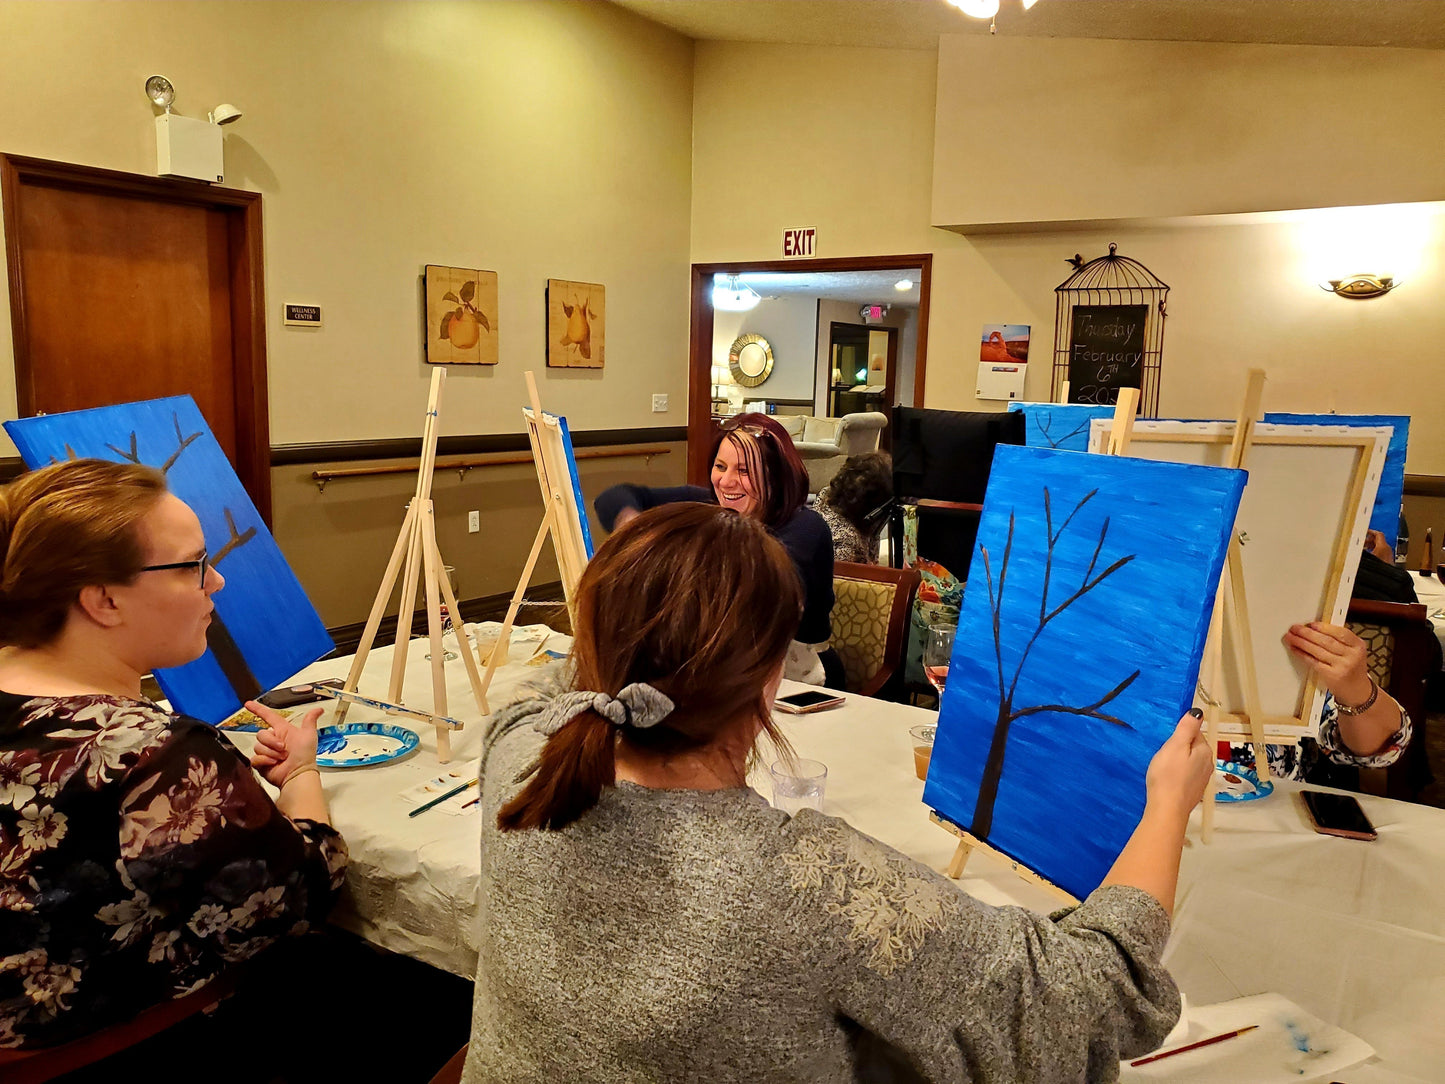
(576, 324)
(461, 316)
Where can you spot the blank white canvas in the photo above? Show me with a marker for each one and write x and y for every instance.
(1297, 520)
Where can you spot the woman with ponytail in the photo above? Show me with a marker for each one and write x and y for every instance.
(139, 855)
(647, 917)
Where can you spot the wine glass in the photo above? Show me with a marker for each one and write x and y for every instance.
(937, 654)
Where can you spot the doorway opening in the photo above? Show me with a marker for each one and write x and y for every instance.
(824, 338)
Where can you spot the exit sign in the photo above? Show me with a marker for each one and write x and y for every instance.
(800, 243)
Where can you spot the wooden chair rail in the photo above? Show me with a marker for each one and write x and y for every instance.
(495, 459)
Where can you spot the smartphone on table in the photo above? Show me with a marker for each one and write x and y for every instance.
(806, 703)
(288, 696)
(1337, 815)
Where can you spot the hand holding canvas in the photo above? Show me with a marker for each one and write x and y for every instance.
(1336, 654)
(1179, 772)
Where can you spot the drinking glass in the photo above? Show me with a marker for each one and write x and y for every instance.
(937, 654)
(922, 748)
(799, 786)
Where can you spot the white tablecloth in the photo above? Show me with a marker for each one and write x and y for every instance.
(411, 886)
(1352, 931)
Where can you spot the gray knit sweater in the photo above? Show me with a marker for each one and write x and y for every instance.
(681, 935)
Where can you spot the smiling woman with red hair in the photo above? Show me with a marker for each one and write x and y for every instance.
(757, 472)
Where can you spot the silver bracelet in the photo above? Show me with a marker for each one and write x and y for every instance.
(1360, 709)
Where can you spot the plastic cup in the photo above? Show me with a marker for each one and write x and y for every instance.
(799, 786)
(922, 748)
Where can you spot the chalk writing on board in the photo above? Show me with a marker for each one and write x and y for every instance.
(1106, 351)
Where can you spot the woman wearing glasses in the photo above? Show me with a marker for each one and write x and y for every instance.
(757, 472)
(139, 854)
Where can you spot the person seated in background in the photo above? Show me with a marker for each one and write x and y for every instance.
(648, 916)
(757, 472)
(139, 854)
(855, 506)
(1361, 725)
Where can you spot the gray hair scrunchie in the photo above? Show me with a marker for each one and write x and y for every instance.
(638, 705)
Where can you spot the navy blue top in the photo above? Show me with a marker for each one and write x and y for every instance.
(804, 535)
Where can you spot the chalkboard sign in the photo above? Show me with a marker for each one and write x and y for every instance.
(1106, 351)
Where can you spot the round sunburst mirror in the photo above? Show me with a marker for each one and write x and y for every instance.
(751, 360)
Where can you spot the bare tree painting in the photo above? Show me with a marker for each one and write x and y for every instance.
(1059, 425)
(1008, 713)
(264, 628)
(1078, 646)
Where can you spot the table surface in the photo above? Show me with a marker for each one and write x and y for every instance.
(1352, 931)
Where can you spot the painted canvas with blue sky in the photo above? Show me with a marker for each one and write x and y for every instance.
(1385, 517)
(1059, 425)
(1078, 649)
(264, 627)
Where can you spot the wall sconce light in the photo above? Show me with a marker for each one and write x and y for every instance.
(1361, 287)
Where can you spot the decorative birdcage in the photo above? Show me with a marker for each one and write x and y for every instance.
(1109, 331)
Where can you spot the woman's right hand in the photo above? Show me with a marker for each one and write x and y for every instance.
(284, 745)
(1179, 772)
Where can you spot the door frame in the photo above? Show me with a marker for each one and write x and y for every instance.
(247, 275)
(699, 369)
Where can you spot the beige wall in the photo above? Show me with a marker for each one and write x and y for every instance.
(534, 138)
(338, 541)
(1061, 130)
(1244, 293)
(537, 139)
(789, 323)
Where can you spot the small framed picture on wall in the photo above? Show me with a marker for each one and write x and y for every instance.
(461, 316)
(576, 324)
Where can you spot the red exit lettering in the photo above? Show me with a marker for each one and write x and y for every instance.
(799, 242)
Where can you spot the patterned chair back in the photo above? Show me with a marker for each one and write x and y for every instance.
(870, 610)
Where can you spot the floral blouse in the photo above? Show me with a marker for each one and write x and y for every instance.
(139, 856)
(1296, 761)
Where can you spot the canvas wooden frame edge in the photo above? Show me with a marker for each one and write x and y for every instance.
(1373, 443)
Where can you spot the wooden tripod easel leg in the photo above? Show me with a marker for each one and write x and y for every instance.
(504, 638)
(378, 608)
(1213, 666)
(432, 570)
(1236, 615)
(960, 856)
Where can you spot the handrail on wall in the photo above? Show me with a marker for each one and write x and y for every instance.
(494, 459)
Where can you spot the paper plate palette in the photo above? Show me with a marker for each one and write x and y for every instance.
(360, 745)
(1238, 783)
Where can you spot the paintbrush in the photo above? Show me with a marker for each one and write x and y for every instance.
(1192, 1046)
(440, 798)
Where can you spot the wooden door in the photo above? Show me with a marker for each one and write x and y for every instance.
(125, 288)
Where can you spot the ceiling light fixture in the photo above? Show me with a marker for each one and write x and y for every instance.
(735, 296)
(979, 9)
(1361, 287)
(903, 285)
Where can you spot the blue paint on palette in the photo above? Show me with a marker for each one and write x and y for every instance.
(1078, 649)
(1059, 425)
(576, 485)
(1385, 517)
(266, 627)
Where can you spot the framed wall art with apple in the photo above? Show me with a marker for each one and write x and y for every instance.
(461, 316)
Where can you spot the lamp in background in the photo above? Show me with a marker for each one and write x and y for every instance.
(735, 296)
(224, 113)
(985, 9)
(1361, 287)
(186, 147)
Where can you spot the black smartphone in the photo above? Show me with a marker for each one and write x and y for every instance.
(1337, 815)
(288, 696)
(804, 703)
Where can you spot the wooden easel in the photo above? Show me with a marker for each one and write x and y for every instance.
(1122, 428)
(1231, 610)
(417, 542)
(554, 479)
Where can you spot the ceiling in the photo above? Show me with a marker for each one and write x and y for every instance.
(917, 24)
(859, 287)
